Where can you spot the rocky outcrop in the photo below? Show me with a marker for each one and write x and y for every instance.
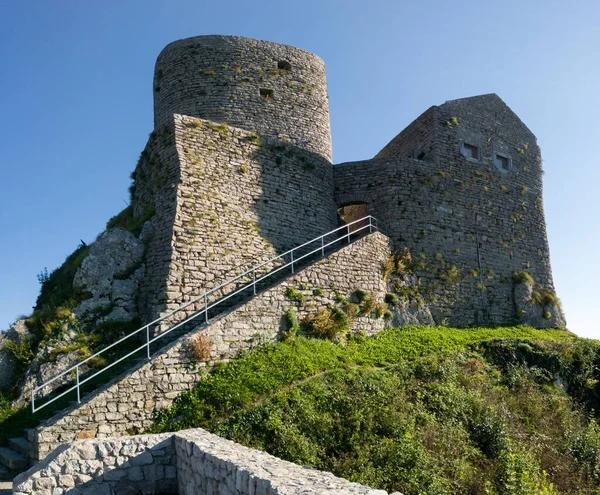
(409, 311)
(17, 333)
(111, 273)
(536, 306)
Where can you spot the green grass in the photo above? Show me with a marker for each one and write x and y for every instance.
(265, 371)
(126, 220)
(418, 410)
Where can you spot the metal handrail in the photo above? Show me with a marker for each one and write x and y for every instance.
(372, 225)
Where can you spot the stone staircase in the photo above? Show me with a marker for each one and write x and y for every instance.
(24, 451)
(14, 458)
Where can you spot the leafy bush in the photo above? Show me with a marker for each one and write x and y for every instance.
(22, 352)
(330, 323)
(292, 325)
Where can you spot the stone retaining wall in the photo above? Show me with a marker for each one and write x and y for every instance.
(127, 404)
(189, 462)
(132, 465)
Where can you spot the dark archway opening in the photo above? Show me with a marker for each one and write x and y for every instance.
(351, 212)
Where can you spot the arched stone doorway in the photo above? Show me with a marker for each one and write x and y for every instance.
(352, 212)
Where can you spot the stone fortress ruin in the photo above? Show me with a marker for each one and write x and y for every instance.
(238, 170)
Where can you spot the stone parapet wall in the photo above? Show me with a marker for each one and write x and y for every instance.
(127, 404)
(132, 465)
(207, 464)
(155, 192)
(189, 462)
(418, 140)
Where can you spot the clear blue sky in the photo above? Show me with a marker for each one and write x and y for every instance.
(76, 106)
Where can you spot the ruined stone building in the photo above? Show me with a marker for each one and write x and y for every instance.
(239, 168)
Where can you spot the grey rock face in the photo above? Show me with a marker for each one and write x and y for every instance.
(105, 273)
(549, 316)
(18, 333)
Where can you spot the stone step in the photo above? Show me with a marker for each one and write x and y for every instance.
(20, 444)
(11, 459)
(29, 434)
(5, 474)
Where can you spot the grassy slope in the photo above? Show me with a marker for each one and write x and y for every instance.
(419, 410)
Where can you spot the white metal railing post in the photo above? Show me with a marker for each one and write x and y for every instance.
(148, 341)
(373, 226)
(206, 308)
(77, 378)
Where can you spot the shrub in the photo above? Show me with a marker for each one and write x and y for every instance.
(380, 309)
(330, 323)
(391, 298)
(339, 298)
(200, 346)
(294, 295)
(292, 325)
(520, 277)
(57, 288)
(544, 297)
(489, 432)
(317, 292)
(351, 309)
(360, 294)
(368, 304)
(22, 352)
(126, 220)
(388, 266)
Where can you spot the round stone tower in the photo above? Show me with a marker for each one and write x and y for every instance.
(256, 85)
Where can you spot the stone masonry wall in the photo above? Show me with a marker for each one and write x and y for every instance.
(127, 404)
(155, 179)
(468, 225)
(188, 462)
(127, 466)
(417, 138)
(241, 199)
(260, 86)
(207, 464)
